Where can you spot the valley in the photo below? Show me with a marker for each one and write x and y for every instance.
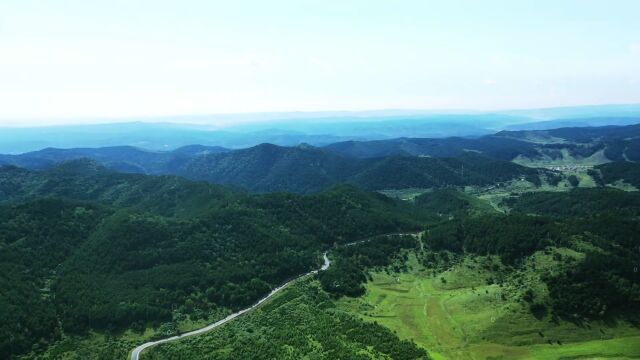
(511, 261)
(319, 180)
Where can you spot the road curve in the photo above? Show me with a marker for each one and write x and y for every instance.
(135, 354)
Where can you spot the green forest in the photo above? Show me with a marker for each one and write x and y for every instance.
(600, 223)
(91, 256)
(104, 253)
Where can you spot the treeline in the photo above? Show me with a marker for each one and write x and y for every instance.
(512, 237)
(398, 172)
(300, 323)
(625, 171)
(347, 273)
(601, 223)
(577, 202)
(341, 214)
(115, 260)
(599, 287)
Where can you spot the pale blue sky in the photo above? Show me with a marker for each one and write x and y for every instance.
(78, 58)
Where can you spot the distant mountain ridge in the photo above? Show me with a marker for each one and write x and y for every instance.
(617, 143)
(301, 169)
(268, 168)
(579, 122)
(120, 158)
(371, 165)
(289, 129)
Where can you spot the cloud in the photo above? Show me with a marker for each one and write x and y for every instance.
(635, 48)
(490, 82)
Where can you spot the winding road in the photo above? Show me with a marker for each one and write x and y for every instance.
(135, 354)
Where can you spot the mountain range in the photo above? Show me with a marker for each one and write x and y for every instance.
(290, 129)
(372, 165)
(104, 249)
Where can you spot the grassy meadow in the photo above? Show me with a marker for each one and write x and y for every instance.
(455, 314)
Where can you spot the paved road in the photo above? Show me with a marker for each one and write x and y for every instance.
(135, 354)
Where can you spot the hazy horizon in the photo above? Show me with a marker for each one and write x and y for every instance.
(225, 120)
(68, 59)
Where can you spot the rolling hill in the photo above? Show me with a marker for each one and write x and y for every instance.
(300, 169)
(592, 145)
(85, 249)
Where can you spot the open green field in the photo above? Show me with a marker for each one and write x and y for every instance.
(566, 159)
(493, 195)
(464, 318)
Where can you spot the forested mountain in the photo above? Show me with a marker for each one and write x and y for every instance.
(119, 158)
(492, 146)
(578, 202)
(618, 143)
(373, 165)
(247, 130)
(300, 169)
(87, 249)
(599, 225)
(620, 171)
(268, 168)
(577, 134)
(622, 119)
(86, 180)
(84, 248)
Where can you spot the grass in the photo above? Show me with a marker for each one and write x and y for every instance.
(301, 322)
(405, 194)
(622, 348)
(567, 159)
(493, 195)
(465, 318)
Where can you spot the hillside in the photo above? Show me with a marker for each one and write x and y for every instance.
(269, 168)
(157, 255)
(85, 249)
(591, 145)
(476, 285)
(492, 146)
(372, 165)
(300, 169)
(620, 172)
(119, 158)
(86, 180)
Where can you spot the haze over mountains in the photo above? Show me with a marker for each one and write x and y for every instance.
(319, 180)
(289, 129)
(162, 241)
(372, 165)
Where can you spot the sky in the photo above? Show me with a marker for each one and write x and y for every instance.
(62, 60)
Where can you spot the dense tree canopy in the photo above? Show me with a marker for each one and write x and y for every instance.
(125, 251)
